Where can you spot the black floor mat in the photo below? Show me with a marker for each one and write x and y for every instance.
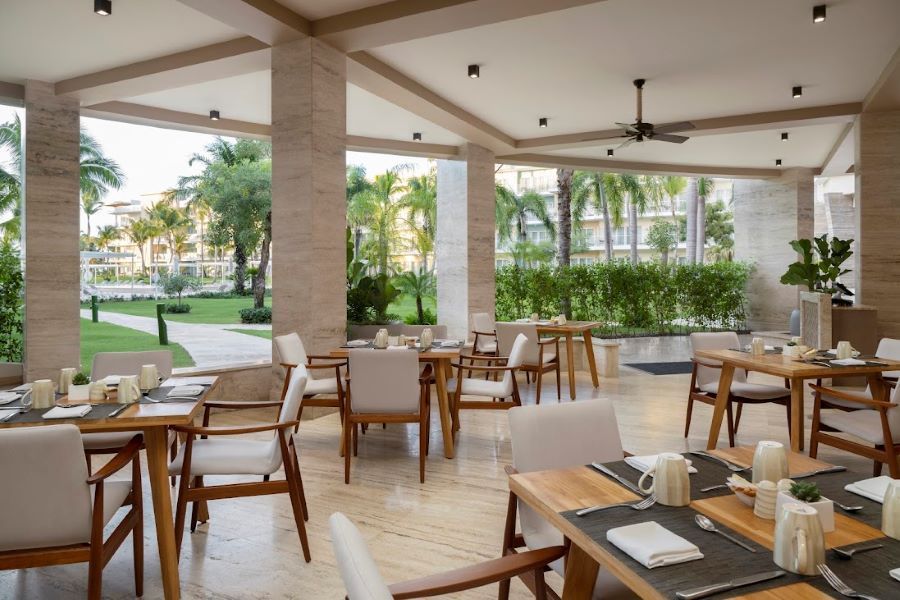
(663, 368)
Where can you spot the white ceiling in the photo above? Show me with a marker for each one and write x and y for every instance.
(317, 9)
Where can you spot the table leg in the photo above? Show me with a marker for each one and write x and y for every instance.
(570, 353)
(797, 415)
(724, 390)
(440, 377)
(581, 575)
(589, 352)
(158, 467)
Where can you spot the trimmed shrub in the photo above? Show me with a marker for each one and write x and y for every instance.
(256, 315)
(177, 309)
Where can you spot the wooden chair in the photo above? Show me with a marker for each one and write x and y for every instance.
(215, 455)
(877, 423)
(364, 582)
(557, 436)
(52, 511)
(705, 384)
(291, 354)
(541, 354)
(887, 349)
(386, 386)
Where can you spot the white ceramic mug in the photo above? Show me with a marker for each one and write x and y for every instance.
(97, 391)
(128, 390)
(890, 510)
(757, 347)
(844, 350)
(65, 379)
(671, 482)
(42, 393)
(770, 462)
(535, 317)
(799, 541)
(561, 319)
(427, 338)
(149, 377)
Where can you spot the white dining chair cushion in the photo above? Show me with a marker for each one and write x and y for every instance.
(473, 386)
(230, 456)
(719, 340)
(549, 354)
(745, 389)
(864, 424)
(483, 322)
(130, 363)
(889, 348)
(113, 441)
(114, 494)
(487, 346)
(384, 381)
(321, 386)
(863, 393)
(290, 349)
(358, 570)
(507, 334)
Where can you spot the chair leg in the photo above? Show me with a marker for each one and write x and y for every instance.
(788, 405)
(294, 492)
(687, 417)
(893, 464)
(876, 464)
(95, 573)
(137, 534)
(540, 587)
(356, 430)
(195, 506)
(300, 490)
(347, 425)
(180, 511)
(87, 459)
(528, 377)
(737, 417)
(558, 383)
(423, 444)
(537, 394)
(731, 427)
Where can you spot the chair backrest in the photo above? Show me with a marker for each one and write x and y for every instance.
(507, 334)
(45, 500)
(358, 570)
(557, 436)
(483, 323)
(516, 358)
(290, 406)
(719, 340)
(130, 363)
(889, 348)
(438, 331)
(384, 381)
(290, 349)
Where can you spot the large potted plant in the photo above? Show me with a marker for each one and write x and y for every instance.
(819, 266)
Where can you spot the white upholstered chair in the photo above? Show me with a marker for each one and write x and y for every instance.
(363, 581)
(215, 454)
(52, 511)
(438, 331)
(559, 436)
(506, 389)
(705, 383)
(888, 348)
(292, 353)
(386, 386)
(541, 354)
(485, 342)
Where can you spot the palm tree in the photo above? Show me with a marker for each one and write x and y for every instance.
(673, 186)
(356, 184)
(90, 205)
(418, 286)
(420, 201)
(173, 223)
(705, 187)
(512, 212)
(199, 207)
(564, 218)
(140, 232)
(106, 235)
(638, 201)
(98, 173)
(378, 209)
(691, 243)
(603, 191)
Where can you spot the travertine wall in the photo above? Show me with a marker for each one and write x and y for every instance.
(464, 244)
(308, 188)
(768, 214)
(52, 268)
(840, 219)
(877, 171)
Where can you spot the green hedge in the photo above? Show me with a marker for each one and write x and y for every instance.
(630, 299)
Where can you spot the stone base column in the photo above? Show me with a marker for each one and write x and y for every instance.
(464, 244)
(768, 214)
(51, 225)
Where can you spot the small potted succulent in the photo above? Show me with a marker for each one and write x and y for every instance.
(79, 388)
(807, 493)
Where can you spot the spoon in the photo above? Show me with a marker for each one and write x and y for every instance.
(848, 508)
(705, 523)
(848, 554)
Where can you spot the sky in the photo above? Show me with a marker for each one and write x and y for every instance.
(153, 158)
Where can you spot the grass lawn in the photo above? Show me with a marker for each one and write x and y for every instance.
(406, 306)
(203, 310)
(105, 337)
(263, 333)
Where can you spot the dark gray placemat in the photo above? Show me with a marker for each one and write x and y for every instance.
(831, 485)
(708, 474)
(35, 415)
(161, 392)
(866, 573)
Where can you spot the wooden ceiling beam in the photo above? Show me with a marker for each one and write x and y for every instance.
(265, 20)
(139, 114)
(885, 94)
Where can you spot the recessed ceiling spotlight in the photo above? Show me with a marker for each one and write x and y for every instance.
(819, 13)
(213, 115)
(797, 91)
(103, 7)
(417, 137)
(777, 162)
(784, 136)
(609, 152)
(474, 71)
(542, 122)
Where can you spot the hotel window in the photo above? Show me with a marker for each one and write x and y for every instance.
(620, 236)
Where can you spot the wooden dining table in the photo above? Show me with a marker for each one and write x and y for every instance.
(153, 421)
(794, 371)
(552, 493)
(441, 359)
(569, 331)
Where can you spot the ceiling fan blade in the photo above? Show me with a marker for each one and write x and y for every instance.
(625, 144)
(665, 137)
(674, 127)
(628, 127)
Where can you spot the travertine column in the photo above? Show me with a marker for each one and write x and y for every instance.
(768, 214)
(308, 188)
(464, 244)
(877, 171)
(52, 266)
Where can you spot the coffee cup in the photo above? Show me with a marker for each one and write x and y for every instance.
(799, 541)
(97, 391)
(42, 393)
(149, 379)
(65, 379)
(671, 482)
(769, 462)
(128, 390)
(844, 350)
(890, 510)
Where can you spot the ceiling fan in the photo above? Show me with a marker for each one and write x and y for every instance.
(640, 131)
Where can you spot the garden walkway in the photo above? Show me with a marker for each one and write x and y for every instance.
(208, 344)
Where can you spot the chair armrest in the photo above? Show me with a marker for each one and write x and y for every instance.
(321, 366)
(626, 454)
(239, 405)
(335, 362)
(427, 372)
(553, 339)
(477, 575)
(851, 397)
(510, 470)
(490, 333)
(189, 429)
(483, 368)
(122, 459)
(700, 363)
(483, 358)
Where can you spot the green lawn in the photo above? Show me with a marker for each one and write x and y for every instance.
(263, 333)
(407, 306)
(105, 337)
(203, 310)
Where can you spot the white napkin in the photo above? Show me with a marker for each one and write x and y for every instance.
(185, 390)
(653, 545)
(112, 380)
(7, 414)
(895, 573)
(749, 347)
(849, 362)
(67, 412)
(79, 392)
(22, 388)
(7, 397)
(873, 488)
(447, 343)
(397, 348)
(834, 351)
(195, 380)
(357, 343)
(642, 463)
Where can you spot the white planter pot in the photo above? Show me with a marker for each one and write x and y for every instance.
(824, 507)
(79, 392)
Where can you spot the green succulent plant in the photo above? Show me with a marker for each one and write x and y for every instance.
(806, 492)
(81, 379)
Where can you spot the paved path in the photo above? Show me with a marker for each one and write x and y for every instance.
(208, 344)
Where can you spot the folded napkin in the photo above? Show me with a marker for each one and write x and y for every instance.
(873, 488)
(642, 463)
(112, 380)
(185, 390)
(193, 380)
(67, 412)
(895, 573)
(7, 414)
(447, 343)
(397, 348)
(22, 388)
(834, 351)
(357, 343)
(849, 362)
(748, 347)
(653, 545)
(7, 397)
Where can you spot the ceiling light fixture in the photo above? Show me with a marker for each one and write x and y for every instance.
(417, 137)
(784, 136)
(609, 152)
(542, 122)
(213, 115)
(777, 162)
(474, 71)
(797, 91)
(819, 13)
(103, 7)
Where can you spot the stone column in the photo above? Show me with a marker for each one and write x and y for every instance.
(877, 171)
(464, 244)
(308, 188)
(51, 225)
(768, 214)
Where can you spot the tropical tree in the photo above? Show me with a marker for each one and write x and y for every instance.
(90, 205)
(98, 173)
(417, 285)
(378, 209)
(420, 201)
(105, 236)
(512, 212)
(200, 210)
(691, 216)
(662, 237)
(603, 192)
(172, 222)
(720, 228)
(356, 184)
(564, 218)
(638, 201)
(705, 187)
(673, 186)
(139, 232)
(10, 179)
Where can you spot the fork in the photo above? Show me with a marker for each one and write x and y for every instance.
(839, 586)
(642, 505)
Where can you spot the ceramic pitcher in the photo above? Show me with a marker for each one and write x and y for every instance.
(149, 377)
(128, 390)
(42, 393)
(671, 482)
(769, 462)
(381, 338)
(65, 379)
(799, 541)
(890, 510)
(427, 338)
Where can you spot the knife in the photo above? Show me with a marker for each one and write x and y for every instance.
(618, 478)
(732, 466)
(709, 590)
(834, 469)
(117, 411)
